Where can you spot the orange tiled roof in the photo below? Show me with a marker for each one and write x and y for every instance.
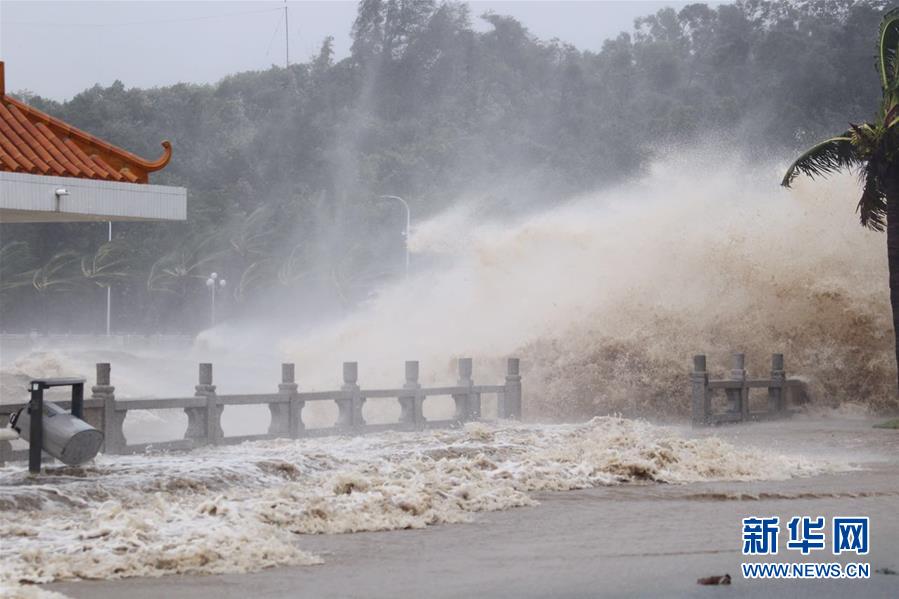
(36, 143)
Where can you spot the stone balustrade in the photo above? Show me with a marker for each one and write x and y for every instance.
(204, 408)
(736, 390)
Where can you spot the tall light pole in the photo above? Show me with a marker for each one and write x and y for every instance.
(109, 290)
(214, 284)
(408, 225)
(286, 38)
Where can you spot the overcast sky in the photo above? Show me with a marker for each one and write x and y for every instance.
(57, 49)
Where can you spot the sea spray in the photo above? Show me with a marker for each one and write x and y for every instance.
(607, 296)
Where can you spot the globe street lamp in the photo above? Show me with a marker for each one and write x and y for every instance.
(215, 284)
(408, 225)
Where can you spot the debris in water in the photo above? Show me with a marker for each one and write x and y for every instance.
(715, 580)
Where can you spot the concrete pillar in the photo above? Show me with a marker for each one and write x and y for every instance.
(776, 390)
(408, 415)
(287, 421)
(735, 396)
(5, 452)
(464, 400)
(204, 424)
(94, 416)
(295, 425)
(512, 394)
(699, 379)
(111, 420)
(350, 407)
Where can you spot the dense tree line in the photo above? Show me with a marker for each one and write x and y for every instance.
(284, 166)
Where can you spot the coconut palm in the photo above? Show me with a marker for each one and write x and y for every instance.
(107, 265)
(58, 274)
(179, 270)
(871, 149)
(249, 251)
(14, 272)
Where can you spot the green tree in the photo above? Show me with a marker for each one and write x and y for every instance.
(872, 149)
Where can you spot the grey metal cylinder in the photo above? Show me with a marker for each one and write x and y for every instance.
(66, 438)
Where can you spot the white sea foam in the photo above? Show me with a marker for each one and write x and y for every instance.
(241, 508)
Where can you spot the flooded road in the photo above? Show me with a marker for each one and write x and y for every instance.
(644, 538)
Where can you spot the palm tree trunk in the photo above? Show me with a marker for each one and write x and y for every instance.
(893, 259)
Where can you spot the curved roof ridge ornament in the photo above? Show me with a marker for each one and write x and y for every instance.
(160, 162)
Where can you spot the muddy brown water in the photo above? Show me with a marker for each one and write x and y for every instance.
(648, 540)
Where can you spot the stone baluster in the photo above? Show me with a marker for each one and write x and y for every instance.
(512, 395)
(701, 401)
(94, 415)
(735, 396)
(111, 420)
(204, 424)
(350, 406)
(776, 390)
(296, 426)
(5, 452)
(280, 424)
(464, 401)
(410, 390)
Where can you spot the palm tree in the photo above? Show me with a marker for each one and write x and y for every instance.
(14, 260)
(107, 265)
(57, 275)
(871, 149)
(177, 271)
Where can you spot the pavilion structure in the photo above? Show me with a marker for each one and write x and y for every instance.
(51, 171)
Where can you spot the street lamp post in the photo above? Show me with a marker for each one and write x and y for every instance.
(215, 284)
(408, 225)
(109, 289)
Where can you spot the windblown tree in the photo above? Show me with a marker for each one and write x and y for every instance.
(14, 274)
(107, 266)
(871, 149)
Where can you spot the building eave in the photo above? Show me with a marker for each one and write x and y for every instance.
(33, 198)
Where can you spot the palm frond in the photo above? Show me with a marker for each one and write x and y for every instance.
(107, 265)
(57, 274)
(253, 278)
(835, 154)
(248, 237)
(892, 117)
(15, 259)
(872, 207)
(176, 270)
(888, 52)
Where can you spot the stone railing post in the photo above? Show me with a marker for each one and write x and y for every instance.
(701, 401)
(512, 394)
(94, 416)
(735, 396)
(111, 420)
(288, 386)
(204, 424)
(280, 424)
(5, 452)
(350, 408)
(410, 391)
(464, 401)
(778, 380)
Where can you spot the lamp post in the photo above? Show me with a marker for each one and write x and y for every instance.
(109, 290)
(408, 225)
(214, 283)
